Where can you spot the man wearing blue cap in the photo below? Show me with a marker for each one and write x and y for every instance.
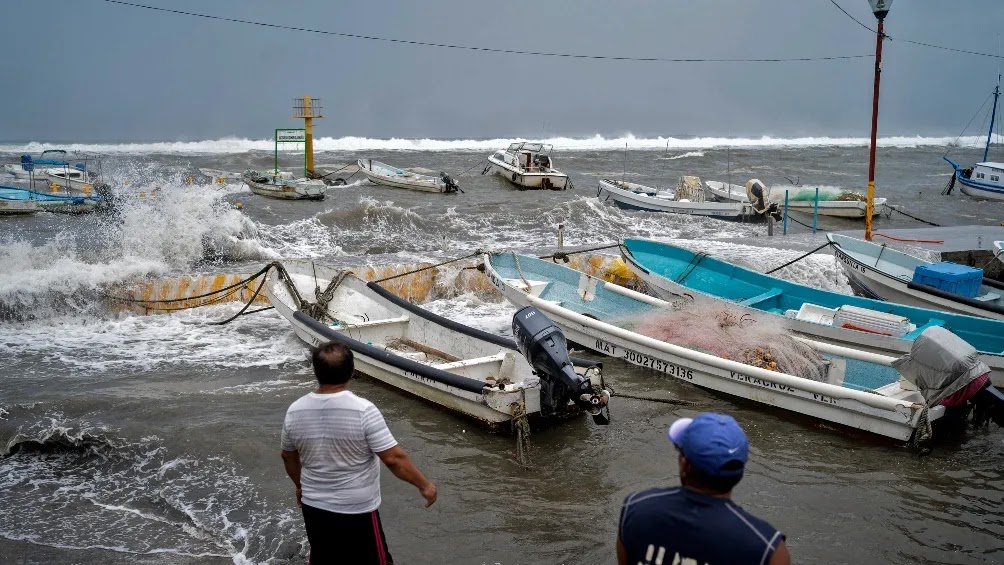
(697, 523)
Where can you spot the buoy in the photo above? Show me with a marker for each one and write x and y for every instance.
(238, 206)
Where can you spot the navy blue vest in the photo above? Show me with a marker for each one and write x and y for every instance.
(667, 526)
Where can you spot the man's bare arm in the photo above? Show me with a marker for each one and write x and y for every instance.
(291, 461)
(780, 555)
(397, 460)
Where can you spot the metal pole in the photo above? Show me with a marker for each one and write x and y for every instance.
(308, 150)
(815, 212)
(869, 205)
(561, 237)
(275, 168)
(785, 212)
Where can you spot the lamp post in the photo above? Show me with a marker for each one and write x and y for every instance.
(880, 8)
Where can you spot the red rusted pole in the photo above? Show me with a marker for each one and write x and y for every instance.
(869, 206)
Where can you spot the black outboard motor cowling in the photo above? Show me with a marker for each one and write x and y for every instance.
(544, 347)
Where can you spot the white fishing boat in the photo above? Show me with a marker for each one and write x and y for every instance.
(984, 180)
(282, 185)
(219, 176)
(467, 371)
(880, 272)
(634, 196)
(29, 169)
(850, 208)
(73, 178)
(386, 175)
(852, 388)
(528, 166)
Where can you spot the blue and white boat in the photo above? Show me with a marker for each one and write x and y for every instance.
(851, 321)
(32, 168)
(984, 179)
(51, 201)
(845, 386)
(883, 273)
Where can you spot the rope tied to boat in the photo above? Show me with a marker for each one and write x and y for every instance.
(468, 256)
(922, 434)
(520, 271)
(912, 217)
(694, 262)
(799, 258)
(564, 255)
(319, 310)
(520, 425)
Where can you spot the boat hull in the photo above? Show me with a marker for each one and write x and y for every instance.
(864, 411)
(529, 180)
(283, 192)
(421, 183)
(978, 190)
(668, 289)
(628, 200)
(18, 207)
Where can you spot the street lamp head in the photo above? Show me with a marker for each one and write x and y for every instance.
(880, 7)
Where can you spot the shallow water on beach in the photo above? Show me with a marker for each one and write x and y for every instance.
(154, 439)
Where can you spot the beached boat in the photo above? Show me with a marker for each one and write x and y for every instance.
(799, 200)
(51, 201)
(883, 273)
(28, 168)
(634, 196)
(840, 385)
(282, 185)
(18, 207)
(386, 175)
(983, 180)
(467, 371)
(852, 321)
(528, 166)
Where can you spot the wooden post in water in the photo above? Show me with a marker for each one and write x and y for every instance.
(880, 8)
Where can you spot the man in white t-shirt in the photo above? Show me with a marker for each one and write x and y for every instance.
(331, 442)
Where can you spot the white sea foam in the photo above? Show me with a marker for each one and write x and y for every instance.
(592, 143)
(685, 155)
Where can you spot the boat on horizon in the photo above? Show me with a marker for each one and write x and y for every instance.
(479, 375)
(527, 165)
(883, 273)
(851, 321)
(982, 180)
(836, 384)
(386, 175)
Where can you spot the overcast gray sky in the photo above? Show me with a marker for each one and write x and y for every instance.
(89, 70)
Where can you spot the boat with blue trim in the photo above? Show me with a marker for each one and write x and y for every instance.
(26, 170)
(851, 321)
(67, 203)
(984, 180)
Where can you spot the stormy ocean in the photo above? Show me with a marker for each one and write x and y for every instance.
(128, 438)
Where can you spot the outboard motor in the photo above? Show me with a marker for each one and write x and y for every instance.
(544, 347)
(759, 196)
(451, 185)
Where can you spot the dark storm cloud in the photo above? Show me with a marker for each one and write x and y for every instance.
(92, 70)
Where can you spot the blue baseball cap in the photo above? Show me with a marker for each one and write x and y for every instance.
(714, 443)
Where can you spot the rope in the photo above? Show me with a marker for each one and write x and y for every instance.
(246, 306)
(333, 172)
(475, 254)
(922, 433)
(801, 224)
(520, 271)
(694, 262)
(471, 167)
(909, 240)
(674, 401)
(827, 244)
(563, 255)
(520, 425)
(915, 217)
(206, 295)
(319, 309)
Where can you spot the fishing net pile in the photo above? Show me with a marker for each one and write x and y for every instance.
(809, 195)
(730, 332)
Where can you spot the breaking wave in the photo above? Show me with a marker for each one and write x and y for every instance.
(593, 143)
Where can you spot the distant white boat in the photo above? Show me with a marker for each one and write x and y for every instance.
(984, 180)
(634, 196)
(283, 185)
(386, 175)
(726, 192)
(528, 166)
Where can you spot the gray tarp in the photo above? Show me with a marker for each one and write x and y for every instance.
(940, 363)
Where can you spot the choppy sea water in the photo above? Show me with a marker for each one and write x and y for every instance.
(129, 438)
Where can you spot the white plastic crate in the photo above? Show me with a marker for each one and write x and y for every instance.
(863, 319)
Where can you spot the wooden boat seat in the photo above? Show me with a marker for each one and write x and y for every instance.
(772, 293)
(930, 324)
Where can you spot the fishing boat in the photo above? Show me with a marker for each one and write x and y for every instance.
(982, 180)
(845, 204)
(25, 171)
(18, 207)
(841, 385)
(634, 196)
(50, 201)
(386, 175)
(282, 185)
(883, 273)
(467, 371)
(851, 321)
(528, 166)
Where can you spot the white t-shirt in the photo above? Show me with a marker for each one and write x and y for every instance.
(337, 436)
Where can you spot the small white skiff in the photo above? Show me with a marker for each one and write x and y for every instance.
(528, 166)
(386, 175)
(283, 186)
(467, 371)
(634, 196)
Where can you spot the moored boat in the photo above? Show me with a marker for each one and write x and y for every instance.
(851, 321)
(467, 371)
(840, 385)
(528, 166)
(984, 180)
(634, 196)
(282, 185)
(50, 201)
(386, 175)
(843, 205)
(27, 169)
(883, 273)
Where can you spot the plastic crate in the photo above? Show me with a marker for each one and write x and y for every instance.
(950, 277)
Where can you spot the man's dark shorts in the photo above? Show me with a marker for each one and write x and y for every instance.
(352, 539)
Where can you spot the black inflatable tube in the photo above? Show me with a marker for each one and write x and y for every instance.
(431, 373)
(458, 327)
(956, 297)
